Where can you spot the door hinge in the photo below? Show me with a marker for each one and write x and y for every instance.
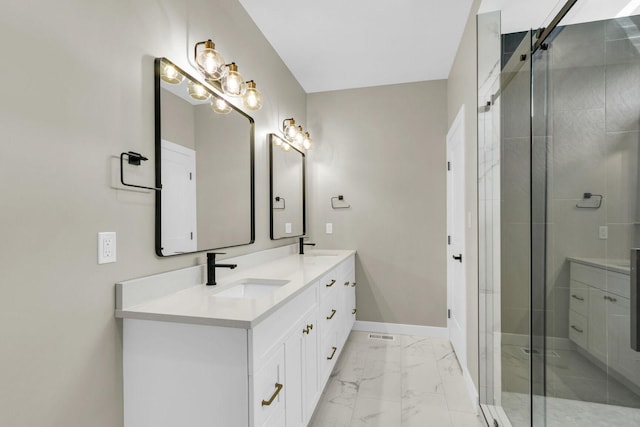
(192, 235)
(448, 240)
(448, 166)
(448, 313)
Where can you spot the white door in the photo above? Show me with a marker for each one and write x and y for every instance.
(456, 257)
(178, 199)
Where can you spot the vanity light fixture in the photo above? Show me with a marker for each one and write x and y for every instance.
(169, 74)
(252, 98)
(220, 106)
(233, 84)
(197, 91)
(209, 62)
(299, 137)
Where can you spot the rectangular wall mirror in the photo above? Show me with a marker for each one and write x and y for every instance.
(287, 179)
(204, 164)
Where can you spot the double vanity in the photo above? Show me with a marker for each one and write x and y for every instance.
(255, 350)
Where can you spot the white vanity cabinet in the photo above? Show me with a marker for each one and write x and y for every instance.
(270, 374)
(599, 317)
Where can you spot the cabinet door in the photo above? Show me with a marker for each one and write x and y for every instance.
(597, 340)
(310, 376)
(621, 357)
(269, 390)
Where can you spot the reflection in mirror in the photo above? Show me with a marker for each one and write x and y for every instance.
(287, 167)
(205, 165)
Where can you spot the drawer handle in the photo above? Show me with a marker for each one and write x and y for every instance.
(307, 329)
(346, 283)
(576, 329)
(577, 297)
(330, 284)
(332, 353)
(607, 297)
(310, 327)
(333, 313)
(353, 285)
(275, 394)
(354, 311)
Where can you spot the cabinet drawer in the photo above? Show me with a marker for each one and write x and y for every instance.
(329, 352)
(619, 284)
(270, 332)
(579, 299)
(329, 313)
(269, 389)
(578, 329)
(588, 275)
(329, 283)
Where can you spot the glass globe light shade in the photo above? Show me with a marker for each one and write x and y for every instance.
(252, 98)
(299, 137)
(220, 106)
(307, 143)
(169, 74)
(233, 84)
(209, 62)
(291, 130)
(197, 91)
(286, 146)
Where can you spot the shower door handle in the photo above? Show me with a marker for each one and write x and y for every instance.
(635, 299)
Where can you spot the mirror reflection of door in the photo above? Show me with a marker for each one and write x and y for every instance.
(179, 216)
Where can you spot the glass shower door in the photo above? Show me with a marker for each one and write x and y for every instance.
(585, 218)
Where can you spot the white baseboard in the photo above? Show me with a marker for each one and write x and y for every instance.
(471, 389)
(398, 328)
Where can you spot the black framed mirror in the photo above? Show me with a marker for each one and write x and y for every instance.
(204, 152)
(287, 166)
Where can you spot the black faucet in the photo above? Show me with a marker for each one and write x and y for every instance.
(303, 244)
(211, 267)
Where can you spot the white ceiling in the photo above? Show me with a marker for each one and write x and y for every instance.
(343, 44)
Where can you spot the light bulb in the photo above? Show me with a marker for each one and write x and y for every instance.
(220, 106)
(299, 137)
(170, 75)
(210, 63)
(197, 91)
(233, 84)
(286, 147)
(307, 143)
(290, 131)
(252, 98)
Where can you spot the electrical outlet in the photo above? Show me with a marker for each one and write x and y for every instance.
(329, 228)
(603, 232)
(106, 247)
(287, 227)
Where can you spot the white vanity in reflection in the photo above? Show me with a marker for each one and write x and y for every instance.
(599, 316)
(256, 350)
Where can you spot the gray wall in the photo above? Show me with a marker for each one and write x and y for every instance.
(78, 89)
(462, 90)
(383, 148)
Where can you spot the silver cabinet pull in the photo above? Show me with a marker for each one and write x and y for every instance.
(575, 328)
(273, 397)
(577, 297)
(608, 298)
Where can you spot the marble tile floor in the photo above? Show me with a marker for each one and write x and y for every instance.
(570, 376)
(409, 382)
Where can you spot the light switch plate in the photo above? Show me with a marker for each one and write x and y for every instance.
(287, 227)
(329, 228)
(106, 247)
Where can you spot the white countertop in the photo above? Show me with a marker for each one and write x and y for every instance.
(618, 265)
(198, 304)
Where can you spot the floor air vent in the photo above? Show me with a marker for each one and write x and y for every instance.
(382, 337)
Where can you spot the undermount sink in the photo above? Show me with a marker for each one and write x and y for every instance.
(251, 288)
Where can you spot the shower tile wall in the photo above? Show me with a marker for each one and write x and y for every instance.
(589, 132)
